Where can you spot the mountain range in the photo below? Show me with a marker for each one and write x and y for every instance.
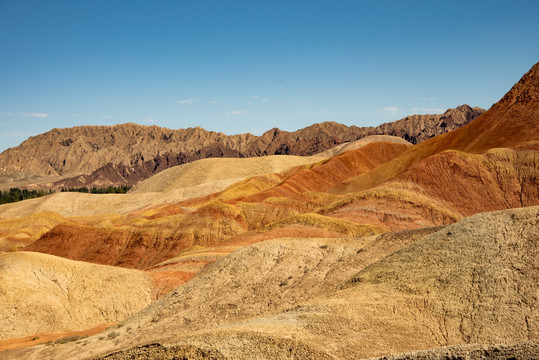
(99, 156)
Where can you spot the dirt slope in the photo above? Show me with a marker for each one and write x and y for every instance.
(128, 153)
(471, 282)
(43, 293)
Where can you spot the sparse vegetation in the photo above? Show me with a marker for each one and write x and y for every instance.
(113, 334)
(70, 339)
(16, 194)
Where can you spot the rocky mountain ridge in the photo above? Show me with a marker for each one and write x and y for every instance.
(127, 153)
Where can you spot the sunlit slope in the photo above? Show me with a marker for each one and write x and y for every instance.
(512, 121)
(18, 232)
(41, 293)
(445, 187)
(322, 176)
(471, 282)
(339, 149)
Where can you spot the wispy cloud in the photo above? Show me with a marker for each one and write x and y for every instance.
(7, 114)
(17, 134)
(150, 120)
(186, 101)
(37, 115)
(212, 101)
(256, 97)
(431, 110)
(236, 112)
(389, 109)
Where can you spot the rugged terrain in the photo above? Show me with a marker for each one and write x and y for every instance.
(125, 154)
(369, 248)
(471, 282)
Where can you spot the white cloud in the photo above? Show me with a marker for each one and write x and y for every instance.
(264, 99)
(186, 101)
(213, 101)
(431, 110)
(17, 134)
(37, 115)
(236, 112)
(255, 97)
(390, 109)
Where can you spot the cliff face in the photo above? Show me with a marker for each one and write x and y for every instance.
(128, 153)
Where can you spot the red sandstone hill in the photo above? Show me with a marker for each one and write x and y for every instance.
(512, 121)
(125, 154)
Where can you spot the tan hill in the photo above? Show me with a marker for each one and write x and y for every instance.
(42, 293)
(473, 282)
(128, 153)
(213, 170)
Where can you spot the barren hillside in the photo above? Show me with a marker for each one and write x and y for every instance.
(471, 282)
(41, 293)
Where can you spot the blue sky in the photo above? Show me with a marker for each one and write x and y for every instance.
(248, 66)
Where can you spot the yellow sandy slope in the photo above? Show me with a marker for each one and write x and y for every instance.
(42, 293)
(218, 169)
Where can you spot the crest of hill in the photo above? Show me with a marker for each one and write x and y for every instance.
(473, 282)
(128, 153)
(511, 122)
(42, 293)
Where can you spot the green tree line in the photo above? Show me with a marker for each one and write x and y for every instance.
(16, 194)
(122, 189)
